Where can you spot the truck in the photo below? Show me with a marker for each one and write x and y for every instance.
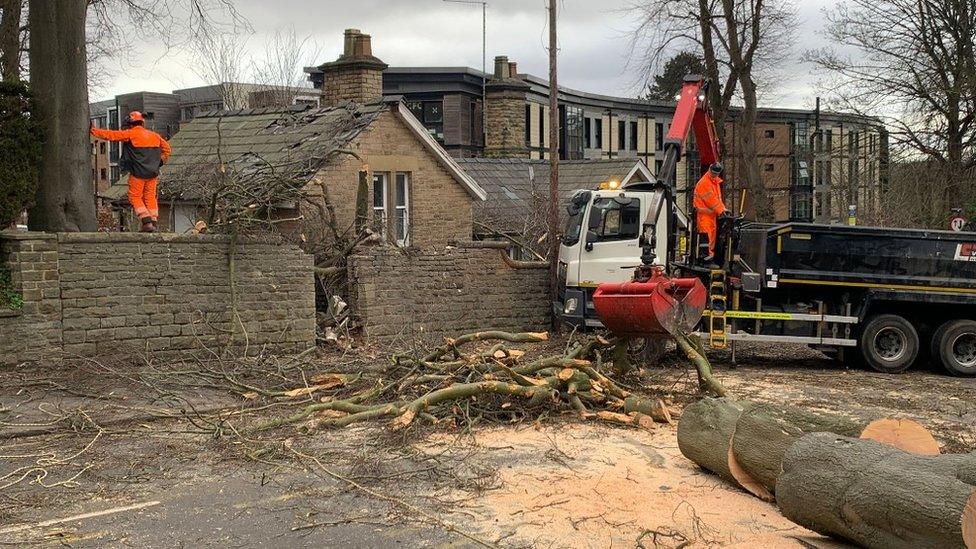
(888, 298)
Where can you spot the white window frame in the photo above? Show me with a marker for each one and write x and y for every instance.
(379, 212)
(405, 207)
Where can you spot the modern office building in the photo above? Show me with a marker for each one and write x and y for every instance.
(815, 165)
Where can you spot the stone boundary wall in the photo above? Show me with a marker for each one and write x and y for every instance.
(407, 294)
(91, 294)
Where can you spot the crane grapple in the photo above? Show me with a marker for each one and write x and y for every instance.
(657, 307)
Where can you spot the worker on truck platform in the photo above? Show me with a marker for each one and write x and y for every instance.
(143, 153)
(709, 206)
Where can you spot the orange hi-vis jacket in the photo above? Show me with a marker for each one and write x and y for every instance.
(143, 151)
(708, 206)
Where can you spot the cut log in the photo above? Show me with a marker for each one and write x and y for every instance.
(876, 495)
(705, 434)
(653, 407)
(765, 432)
(903, 434)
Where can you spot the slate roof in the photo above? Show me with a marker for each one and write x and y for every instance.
(294, 141)
(518, 188)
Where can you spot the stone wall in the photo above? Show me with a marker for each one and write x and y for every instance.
(32, 331)
(95, 293)
(361, 84)
(413, 294)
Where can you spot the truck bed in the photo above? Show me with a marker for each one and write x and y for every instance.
(867, 257)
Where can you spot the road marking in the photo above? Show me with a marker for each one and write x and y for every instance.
(52, 522)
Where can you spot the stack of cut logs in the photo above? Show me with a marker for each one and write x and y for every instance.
(878, 483)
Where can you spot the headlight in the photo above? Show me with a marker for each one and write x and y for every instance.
(570, 306)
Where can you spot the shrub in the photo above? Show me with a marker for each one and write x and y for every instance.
(20, 141)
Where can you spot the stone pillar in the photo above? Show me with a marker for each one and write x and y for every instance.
(31, 328)
(505, 95)
(356, 75)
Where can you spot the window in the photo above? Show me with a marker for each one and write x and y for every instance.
(430, 114)
(391, 206)
(528, 125)
(571, 127)
(379, 203)
(633, 136)
(769, 167)
(659, 136)
(829, 141)
(621, 135)
(800, 205)
(598, 134)
(401, 202)
(433, 112)
(619, 222)
(588, 130)
(542, 127)
(103, 175)
(101, 147)
(769, 134)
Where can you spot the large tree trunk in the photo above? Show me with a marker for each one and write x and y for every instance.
(705, 433)
(876, 495)
(65, 195)
(10, 40)
(765, 432)
(749, 154)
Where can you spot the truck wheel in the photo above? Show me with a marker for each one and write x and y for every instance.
(647, 351)
(889, 344)
(954, 345)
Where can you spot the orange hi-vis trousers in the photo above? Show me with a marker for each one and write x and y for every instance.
(142, 196)
(708, 224)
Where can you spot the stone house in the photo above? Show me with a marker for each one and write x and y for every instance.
(419, 196)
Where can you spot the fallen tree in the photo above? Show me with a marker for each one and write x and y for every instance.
(878, 496)
(432, 385)
(744, 442)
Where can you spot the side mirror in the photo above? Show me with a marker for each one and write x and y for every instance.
(591, 237)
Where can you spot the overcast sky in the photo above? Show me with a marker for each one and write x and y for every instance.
(593, 37)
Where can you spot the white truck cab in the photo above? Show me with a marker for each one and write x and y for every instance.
(601, 243)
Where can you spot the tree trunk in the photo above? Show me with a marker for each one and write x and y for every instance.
(749, 154)
(765, 432)
(65, 195)
(10, 40)
(705, 434)
(875, 495)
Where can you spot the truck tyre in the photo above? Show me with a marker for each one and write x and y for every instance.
(889, 344)
(954, 346)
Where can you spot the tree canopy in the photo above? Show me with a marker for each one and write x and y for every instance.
(20, 141)
(667, 84)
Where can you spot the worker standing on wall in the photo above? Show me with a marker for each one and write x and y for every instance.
(143, 153)
(709, 206)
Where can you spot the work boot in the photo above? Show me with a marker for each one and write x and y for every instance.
(709, 262)
(147, 225)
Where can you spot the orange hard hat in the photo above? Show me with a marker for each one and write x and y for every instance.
(135, 116)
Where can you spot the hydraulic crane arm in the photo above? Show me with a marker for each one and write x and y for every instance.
(691, 113)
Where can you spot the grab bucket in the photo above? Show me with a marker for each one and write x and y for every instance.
(657, 307)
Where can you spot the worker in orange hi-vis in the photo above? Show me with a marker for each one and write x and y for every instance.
(143, 153)
(709, 206)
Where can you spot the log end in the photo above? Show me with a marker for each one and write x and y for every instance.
(969, 522)
(904, 434)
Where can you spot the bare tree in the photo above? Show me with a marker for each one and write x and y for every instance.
(740, 41)
(280, 72)
(11, 38)
(222, 59)
(59, 82)
(912, 65)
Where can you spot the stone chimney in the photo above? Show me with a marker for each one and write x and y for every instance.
(356, 75)
(506, 96)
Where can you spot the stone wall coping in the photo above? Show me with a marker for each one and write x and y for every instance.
(99, 238)
(26, 235)
(4, 313)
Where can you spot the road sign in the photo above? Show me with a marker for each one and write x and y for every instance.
(957, 223)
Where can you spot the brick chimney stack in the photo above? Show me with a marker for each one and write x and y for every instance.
(356, 75)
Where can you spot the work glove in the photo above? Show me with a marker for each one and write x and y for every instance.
(726, 214)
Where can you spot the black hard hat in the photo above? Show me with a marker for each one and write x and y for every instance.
(717, 168)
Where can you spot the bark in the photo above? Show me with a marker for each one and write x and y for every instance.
(705, 433)
(765, 432)
(875, 495)
(10, 40)
(696, 354)
(65, 196)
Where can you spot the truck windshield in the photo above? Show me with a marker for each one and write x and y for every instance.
(619, 221)
(573, 227)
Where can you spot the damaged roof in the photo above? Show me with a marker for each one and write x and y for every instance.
(518, 187)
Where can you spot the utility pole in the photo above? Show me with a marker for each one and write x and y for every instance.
(484, 60)
(553, 158)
